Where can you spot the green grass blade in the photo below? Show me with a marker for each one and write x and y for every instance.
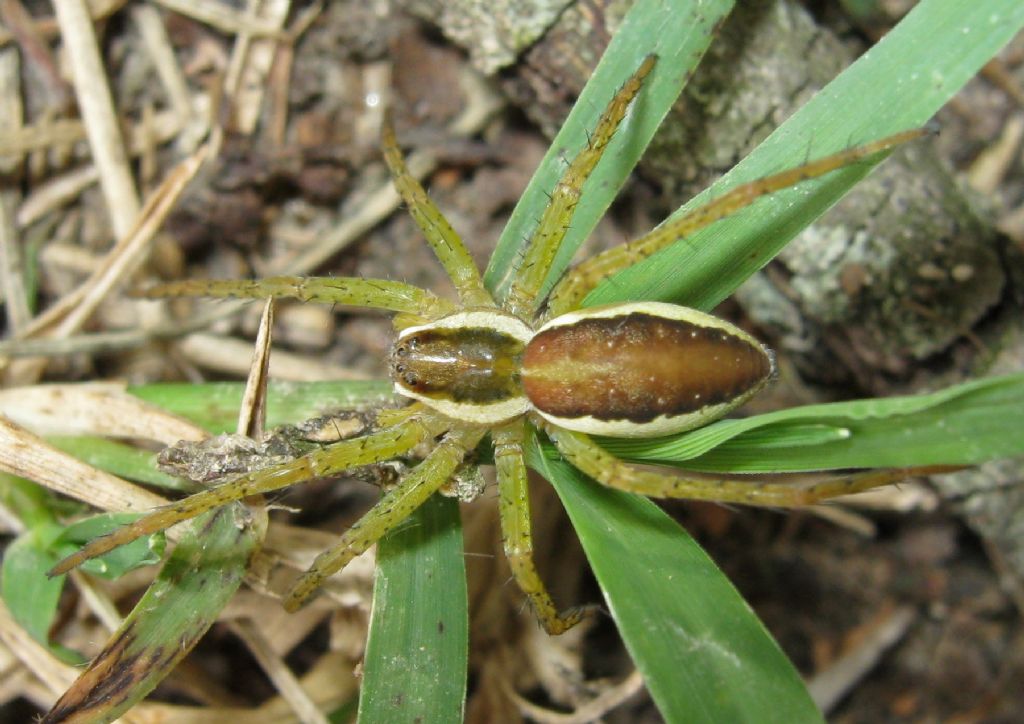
(202, 573)
(418, 646)
(144, 551)
(704, 654)
(679, 33)
(119, 459)
(963, 425)
(214, 406)
(899, 84)
(30, 596)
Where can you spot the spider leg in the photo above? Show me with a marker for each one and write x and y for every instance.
(392, 509)
(341, 456)
(570, 291)
(540, 253)
(514, 507)
(608, 470)
(348, 291)
(447, 245)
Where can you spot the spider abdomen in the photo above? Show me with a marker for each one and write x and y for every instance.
(641, 369)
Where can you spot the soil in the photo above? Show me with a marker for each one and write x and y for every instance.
(918, 586)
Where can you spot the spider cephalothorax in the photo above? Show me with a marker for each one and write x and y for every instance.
(480, 367)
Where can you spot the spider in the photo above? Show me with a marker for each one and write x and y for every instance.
(482, 367)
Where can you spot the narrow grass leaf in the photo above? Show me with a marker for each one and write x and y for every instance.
(962, 425)
(202, 573)
(119, 459)
(679, 33)
(30, 596)
(417, 652)
(144, 551)
(214, 406)
(704, 654)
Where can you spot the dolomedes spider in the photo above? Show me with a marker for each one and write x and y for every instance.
(480, 367)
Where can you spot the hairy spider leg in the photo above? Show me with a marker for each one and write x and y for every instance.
(571, 290)
(447, 244)
(339, 457)
(396, 505)
(608, 470)
(523, 294)
(516, 532)
(413, 305)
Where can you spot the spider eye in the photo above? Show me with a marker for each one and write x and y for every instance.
(399, 368)
(411, 379)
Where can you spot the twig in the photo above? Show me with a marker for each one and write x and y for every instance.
(12, 268)
(593, 710)
(223, 18)
(828, 687)
(97, 106)
(284, 680)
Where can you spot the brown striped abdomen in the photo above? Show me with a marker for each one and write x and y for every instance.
(639, 366)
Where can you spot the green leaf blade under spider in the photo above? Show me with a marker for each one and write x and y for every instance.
(118, 458)
(417, 655)
(963, 425)
(196, 582)
(214, 405)
(704, 654)
(899, 84)
(679, 35)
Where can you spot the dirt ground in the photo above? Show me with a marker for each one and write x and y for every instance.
(908, 610)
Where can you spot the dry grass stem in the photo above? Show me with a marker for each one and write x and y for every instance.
(250, 63)
(989, 169)
(12, 263)
(47, 28)
(56, 192)
(98, 408)
(600, 706)
(41, 136)
(220, 353)
(845, 518)
(47, 134)
(223, 18)
(161, 52)
(98, 113)
(54, 674)
(131, 250)
(97, 601)
(29, 456)
(252, 412)
(877, 636)
(12, 274)
(36, 50)
(903, 498)
(326, 684)
(377, 206)
(282, 631)
(278, 672)
(123, 259)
